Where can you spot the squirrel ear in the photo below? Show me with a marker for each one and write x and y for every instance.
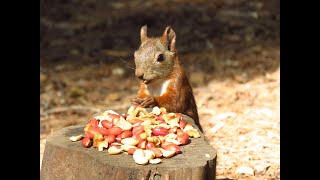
(169, 38)
(143, 33)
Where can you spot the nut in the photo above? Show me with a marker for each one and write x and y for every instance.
(107, 124)
(171, 147)
(110, 138)
(149, 132)
(114, 150)
(156, 110)
(163, 110)
(142, 144)
(182, 137)
(182, 124)
(150, 139)
(92, 131)
(76, 138)
(102, 144)
(96, 139)
(86, 142)
(146, 123)
(143, 136)
(126, 134)
(193, 133)
(126, 147)
(171, 136)
(123, 124)
(94, 122)
(130, 141)
(155, 161)
(156, 141)
(169, 140)
(164, 125)
(115, 131)
(188, 127)
(157, 152)
(104, 131)
(149, 154)
(139, 156)
(150, 145)
(167, 153)
(85, 129)
(137, 129)
(132, 150)
(160, 131)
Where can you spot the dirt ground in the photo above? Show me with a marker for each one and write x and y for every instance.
(230, 50)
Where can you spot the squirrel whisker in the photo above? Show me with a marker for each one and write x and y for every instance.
(127, 64)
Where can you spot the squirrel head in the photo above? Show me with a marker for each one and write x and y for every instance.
(156, 56)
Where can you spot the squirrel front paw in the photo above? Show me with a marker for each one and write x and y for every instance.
(149, 102)
(137, 101)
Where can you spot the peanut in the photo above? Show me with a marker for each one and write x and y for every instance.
(130, 141)
(114, 150)
(139, 156)
(86, 142)
(102, 145)
(76, 138)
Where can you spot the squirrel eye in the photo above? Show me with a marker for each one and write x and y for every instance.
(160, 57)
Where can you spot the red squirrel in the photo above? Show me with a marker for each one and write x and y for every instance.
(164, 82)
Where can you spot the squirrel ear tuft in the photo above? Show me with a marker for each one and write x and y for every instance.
(169, 38)
(143, 33)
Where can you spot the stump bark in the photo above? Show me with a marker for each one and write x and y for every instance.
(63, 159)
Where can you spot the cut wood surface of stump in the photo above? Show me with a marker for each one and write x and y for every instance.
(64, 159)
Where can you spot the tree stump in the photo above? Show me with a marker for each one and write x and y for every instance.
(63, 159)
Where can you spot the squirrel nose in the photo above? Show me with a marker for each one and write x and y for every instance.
(139, 73)
(140, 77)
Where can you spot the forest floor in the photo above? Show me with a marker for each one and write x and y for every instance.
(235, 75)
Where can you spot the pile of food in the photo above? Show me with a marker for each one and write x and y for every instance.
(148, 136)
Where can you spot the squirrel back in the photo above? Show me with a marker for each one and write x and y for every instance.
(164, 82)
